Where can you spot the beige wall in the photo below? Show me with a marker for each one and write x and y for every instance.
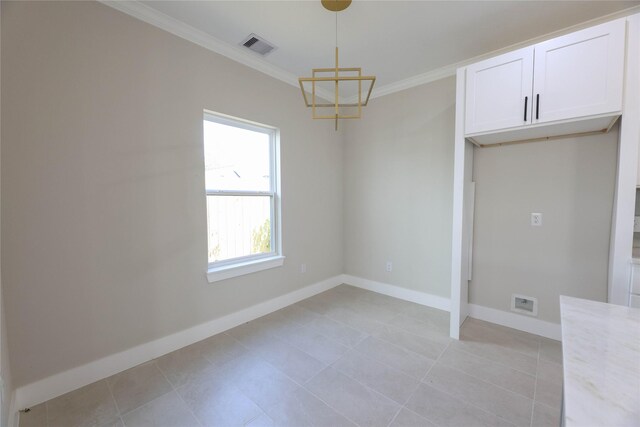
(398, 189)
(571, 183)
(5, 371)
(103, 211)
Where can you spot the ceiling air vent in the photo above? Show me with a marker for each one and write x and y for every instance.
(258, 44)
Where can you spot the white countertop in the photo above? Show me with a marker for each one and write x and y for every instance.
(601, 362)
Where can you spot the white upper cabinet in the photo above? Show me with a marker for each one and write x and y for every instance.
(499, 92)
(567, 78)
(580, 74)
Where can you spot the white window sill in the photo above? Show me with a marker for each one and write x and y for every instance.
(228, 271)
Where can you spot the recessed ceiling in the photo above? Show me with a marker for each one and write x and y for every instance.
(394, 40)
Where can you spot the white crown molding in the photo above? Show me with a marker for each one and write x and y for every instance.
(178, 28)
(450, 70)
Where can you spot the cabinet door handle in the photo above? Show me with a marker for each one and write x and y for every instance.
(526, 99)
(537, 106)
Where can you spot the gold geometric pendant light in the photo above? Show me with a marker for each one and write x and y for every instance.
(338, 109)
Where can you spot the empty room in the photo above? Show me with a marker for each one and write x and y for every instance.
(319, 213)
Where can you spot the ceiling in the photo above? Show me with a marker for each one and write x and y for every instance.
(394, 40)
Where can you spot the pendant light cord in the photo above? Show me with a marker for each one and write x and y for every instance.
(336, 24)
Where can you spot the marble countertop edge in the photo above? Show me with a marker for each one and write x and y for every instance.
(601, 363)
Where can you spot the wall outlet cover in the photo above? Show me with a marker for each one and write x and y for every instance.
(536, 219)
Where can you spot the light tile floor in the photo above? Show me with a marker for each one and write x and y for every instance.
(345, 357)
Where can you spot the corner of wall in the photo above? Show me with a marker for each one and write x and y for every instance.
(7, 412)
(343, 139)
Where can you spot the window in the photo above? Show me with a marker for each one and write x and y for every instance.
(241, 178)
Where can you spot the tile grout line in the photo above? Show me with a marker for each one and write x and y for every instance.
(383, 323)
(501, 328)
(401, 406)
(293, 380)
(401, 348)
(113, 397)
(396, 314)
(304, 386)
(280, 338)
(434, 363)
(280, 370)
(365, 386)
(395, 416)
(388, 342)
(315, 329)
(421, 381)
(427, 374)
(292, 344)
(421, 416)
(535, 385)
(366, 356)
(468, 404)
(490, 383)
(413, 392)
(499, 363)
(538, 338)
(418, 386)
(175, 390)
(464, 401)
(331, 365)
(442, 353)
(46, 411)
(494, 384)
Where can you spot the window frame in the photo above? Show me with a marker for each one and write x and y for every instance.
(225, 269)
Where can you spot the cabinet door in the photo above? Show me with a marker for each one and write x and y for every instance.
(497, 90)
(580, 74)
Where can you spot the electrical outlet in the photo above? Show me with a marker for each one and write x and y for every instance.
(636, 224)
(389, 266)
(536, 219)
(303, 268)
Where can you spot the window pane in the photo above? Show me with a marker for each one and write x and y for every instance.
(235, 158)
(238, 226)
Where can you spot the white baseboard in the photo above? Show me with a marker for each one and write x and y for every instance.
(516, 321)
(64, 382)
(504, 318)
(418, 297)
